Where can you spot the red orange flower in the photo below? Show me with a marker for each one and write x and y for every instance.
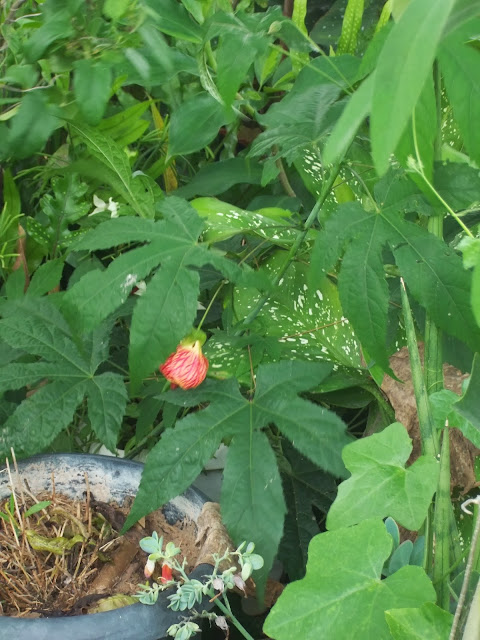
(187, 367)
(166, 574)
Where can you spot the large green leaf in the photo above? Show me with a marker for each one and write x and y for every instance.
(163, 316)
(467, 406)
(428, 621)
(460, 65)
(91, 86)
(364, 292)
(224, 220)
(232, 68)
(435, 276)
(402, 69)
(182, 452)
(305, 486)
(172, 18)
(31, 127)
(357, 109)
(195, 123)
(217, 177)
(112, 286)
(59, 381)
(116, 167)
(306, 318)
(40, 418)
(342, 591)
(252, 497)
(380, 485)
(107, 399)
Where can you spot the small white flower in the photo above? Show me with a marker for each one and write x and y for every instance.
(101, 205)
(140, 288)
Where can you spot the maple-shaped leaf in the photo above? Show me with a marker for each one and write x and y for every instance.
(164, 314)
(380, 485)
(67, 375)
(253, 506)
(342, 593)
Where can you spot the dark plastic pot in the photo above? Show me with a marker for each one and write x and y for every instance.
(110, 479)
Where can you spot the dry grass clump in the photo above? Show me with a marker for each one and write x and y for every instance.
(50, 547)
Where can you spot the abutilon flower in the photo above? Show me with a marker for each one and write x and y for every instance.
(187, 367)
(166, 574)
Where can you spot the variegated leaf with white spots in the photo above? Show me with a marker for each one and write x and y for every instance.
(225, 220)
(307, 318)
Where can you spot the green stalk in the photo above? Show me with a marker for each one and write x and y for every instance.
(233, 620)
(441, 577)
(433, 359)
(427, 427)
(326, 188)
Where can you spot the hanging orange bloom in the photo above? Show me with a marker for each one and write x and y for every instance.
(187, 367)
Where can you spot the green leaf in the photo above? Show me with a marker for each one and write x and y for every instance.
(345, 129)
(347, 223)
(127, 126)
(16, 375)
(319, 434)
(402, 69)
(173, 19)
(117, 165)
(444, 407)
(306, 318)
(232, 68)
(107, 399)
(37, 327)
(458, 184)
(91, 87)
(435, 276)
(364, 292)
(467, 406)
(178, 458)
(427, 621)
(195, 123)
(112, 286)
(424, 124)
(305, 486)
(217, 177)
(112, 233)
(115, 9)
(56, 27)
(460, 66)
(45, 278)
(37, 421)
(252, 498)
(31, 127)
(380, 485)
(163, 316)
(342, 589)
(224, 220)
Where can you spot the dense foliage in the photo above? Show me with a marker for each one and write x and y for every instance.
(303, 186)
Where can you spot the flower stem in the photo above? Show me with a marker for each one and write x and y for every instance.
(233, 619)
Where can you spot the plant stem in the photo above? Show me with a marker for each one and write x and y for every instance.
(210, 304)
(326, 188)
(441, 528)
(427, 427)
(233, 619)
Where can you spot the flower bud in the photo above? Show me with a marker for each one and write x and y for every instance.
(187, 367)
(149, 568)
